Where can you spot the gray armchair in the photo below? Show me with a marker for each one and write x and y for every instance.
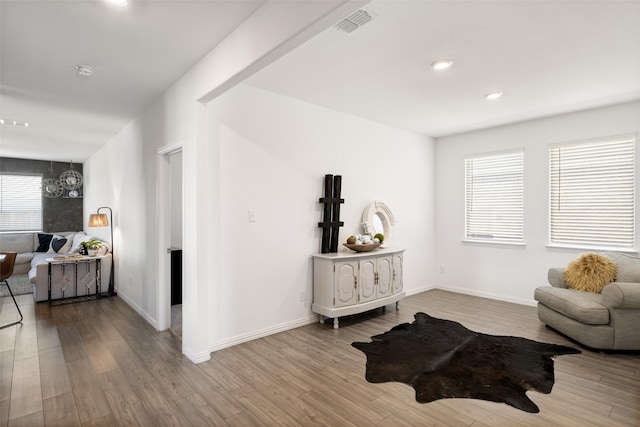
(608, 321)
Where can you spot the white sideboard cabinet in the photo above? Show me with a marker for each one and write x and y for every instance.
(347, 283)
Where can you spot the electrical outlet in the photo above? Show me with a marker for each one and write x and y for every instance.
(303, 296)
(252, 215)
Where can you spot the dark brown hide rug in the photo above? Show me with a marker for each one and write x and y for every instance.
(443, 359)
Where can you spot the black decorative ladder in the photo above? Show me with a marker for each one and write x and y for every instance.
(331, 216)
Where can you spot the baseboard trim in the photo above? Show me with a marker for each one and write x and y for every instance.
(196, 357)
(138, 310)
(489, 295)
(260, 333)
(419, 290)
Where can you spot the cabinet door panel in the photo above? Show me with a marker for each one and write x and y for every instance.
(345, 276)
(397, 273)
(367, 284)
(385, 271)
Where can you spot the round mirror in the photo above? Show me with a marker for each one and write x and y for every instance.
(377, 218)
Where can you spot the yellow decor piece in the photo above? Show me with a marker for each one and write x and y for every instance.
(590, 273)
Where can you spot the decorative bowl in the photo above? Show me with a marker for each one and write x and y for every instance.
(362, 248)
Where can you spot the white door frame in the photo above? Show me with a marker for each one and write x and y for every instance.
(163, 210)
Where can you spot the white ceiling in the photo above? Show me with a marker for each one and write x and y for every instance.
(548, 57)
(137, 53)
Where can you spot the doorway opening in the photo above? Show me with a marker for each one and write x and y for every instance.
(175, 165)
(170, 229)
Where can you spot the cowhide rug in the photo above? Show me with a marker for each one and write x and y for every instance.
(443, 359)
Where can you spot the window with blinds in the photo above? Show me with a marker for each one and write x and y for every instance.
(494, 200)
(20, 203)
(592, 194)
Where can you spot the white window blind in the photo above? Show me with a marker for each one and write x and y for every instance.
(592, 194)
(20, 203)
(494, 201)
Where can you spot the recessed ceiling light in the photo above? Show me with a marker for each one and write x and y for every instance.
(441, 64)
(493, 95)
(117, 2)
(84, 70)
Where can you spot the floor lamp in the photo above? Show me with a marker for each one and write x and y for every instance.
(100, 220)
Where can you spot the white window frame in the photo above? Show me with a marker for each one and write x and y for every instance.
(499, 218)
(18, 211)
(574, 220)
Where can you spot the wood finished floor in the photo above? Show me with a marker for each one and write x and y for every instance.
(99, 363)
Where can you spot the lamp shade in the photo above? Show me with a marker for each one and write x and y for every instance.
(98, 220)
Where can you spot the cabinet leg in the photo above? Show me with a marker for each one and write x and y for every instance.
(397, 304)
(335, 323)
(321, 319)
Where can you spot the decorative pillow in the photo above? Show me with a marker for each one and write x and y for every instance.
(103, 249)
(44, 241)
(77, 239)
(59, 245)
(590, 273)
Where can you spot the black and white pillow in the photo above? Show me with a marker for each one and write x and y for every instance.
(59, 245)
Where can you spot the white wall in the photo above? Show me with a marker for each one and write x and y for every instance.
(118, 176)
(273, 153)
(124, 173)
(500, 271)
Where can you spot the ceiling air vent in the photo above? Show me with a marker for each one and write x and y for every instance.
(354, 21)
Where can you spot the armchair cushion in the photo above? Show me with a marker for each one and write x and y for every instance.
(585, 307)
